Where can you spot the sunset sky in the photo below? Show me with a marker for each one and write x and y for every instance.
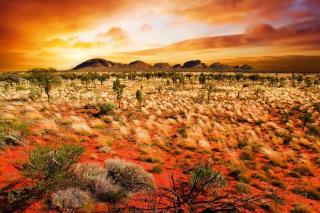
(63, 33)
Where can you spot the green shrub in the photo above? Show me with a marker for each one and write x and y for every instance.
(242, 188)
(307, 192)
(50, 170)
(52, 165)
(204, 175)
(177, 151)
(303, 170)
(34, 93)
(106, 109)
(242, 143)
(152, 160)
(247, 155)
(12, 133)
(156, 169)
(294, 174)
(314, 130)
(299, 208)
(278, 183)
(183, 132)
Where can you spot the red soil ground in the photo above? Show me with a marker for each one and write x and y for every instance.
(130, 151)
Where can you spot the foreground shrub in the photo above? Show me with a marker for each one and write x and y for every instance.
(51, 164)
(70, 199)
(12, 133)
(203, 190)
(115, 182)
(131, 177)
(94, 178)
(49, 169)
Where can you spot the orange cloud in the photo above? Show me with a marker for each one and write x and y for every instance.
(27, 25)
(60, 33)
(300, 36)
(233, 11)
(116, 34)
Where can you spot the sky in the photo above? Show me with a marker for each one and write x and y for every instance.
(275, 34)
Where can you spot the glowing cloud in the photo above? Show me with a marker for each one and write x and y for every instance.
(52, 33)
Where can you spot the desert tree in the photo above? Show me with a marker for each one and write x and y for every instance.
(258, 91)
(85, 79)
(189, 77)
(306, 118)
(93, 76)
(202, 79)
(238, 77)
(139, 97)
(102, 78)
(254, 78)
(44, 78)
(210, 89)
(117, 88)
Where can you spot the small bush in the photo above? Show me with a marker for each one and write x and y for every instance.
(242, 188)
(314, 130)
(242, 143)
(156, 169)
(52, 165)
(299, 208)
(183, 132)
(152, 160)
(278, 183)
(247, 155)
(106, 109)
(34, 93)
(131, 177)
(177, 151)
(94, 178)
(49, 169)
(294, 174)
(307, 192)
(70, 199)
(12, 133)
(303, 169)
(204, 175)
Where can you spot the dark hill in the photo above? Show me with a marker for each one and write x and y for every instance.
(162, 65)
(139, 65)
(95, 62)
(193, 64)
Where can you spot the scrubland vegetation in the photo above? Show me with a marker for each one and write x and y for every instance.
(159, 142)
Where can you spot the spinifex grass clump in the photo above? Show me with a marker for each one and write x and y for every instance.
(114, 183)
(12, 133)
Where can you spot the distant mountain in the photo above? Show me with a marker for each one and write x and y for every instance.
(98, 62)
(102, 63)
(139, 65)
(219, 66)
(194, 64)
(162, 65)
